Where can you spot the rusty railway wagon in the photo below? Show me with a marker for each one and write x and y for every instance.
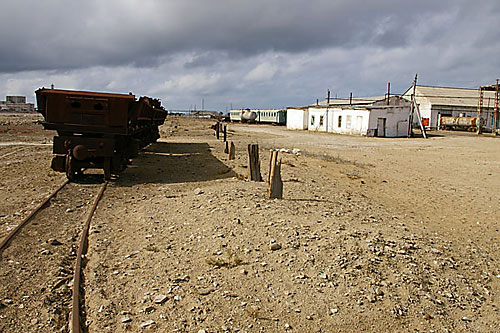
(98, 130)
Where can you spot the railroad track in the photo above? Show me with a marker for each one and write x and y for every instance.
(37, 290)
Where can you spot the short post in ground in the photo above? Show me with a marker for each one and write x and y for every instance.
(232, 151)
(275, 189)
(254, 163)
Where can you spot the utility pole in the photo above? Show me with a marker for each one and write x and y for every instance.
(388, 92)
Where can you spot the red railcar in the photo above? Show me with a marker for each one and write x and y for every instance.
(98, 130)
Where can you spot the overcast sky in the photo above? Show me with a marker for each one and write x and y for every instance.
(248, 53)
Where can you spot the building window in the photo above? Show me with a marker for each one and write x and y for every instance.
(321, 120)
(348, 122)
(312, 120)
(340, 122)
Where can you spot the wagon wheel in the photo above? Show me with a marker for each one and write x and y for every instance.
(71, 170)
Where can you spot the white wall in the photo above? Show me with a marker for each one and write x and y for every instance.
(396, 120)
(296, 119)
(352, 121)
(318, 119)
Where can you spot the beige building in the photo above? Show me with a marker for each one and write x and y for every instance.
(16, 104)
(435, 102)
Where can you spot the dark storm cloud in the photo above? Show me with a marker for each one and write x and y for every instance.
(76, 34)
(244, 53)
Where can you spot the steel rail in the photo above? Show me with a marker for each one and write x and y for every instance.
(82, 250)
(6, 241)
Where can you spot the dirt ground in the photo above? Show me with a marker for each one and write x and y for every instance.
(372, 234)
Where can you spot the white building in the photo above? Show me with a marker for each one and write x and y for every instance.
(370, 118)
(318, 118)
(297, 118)
(442, 101)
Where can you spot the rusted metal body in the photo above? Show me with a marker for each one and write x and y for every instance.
(98, 130)
(464, 123)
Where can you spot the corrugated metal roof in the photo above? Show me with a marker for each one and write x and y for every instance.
(452, 96)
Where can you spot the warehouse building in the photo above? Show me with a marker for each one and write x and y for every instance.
(436, 102)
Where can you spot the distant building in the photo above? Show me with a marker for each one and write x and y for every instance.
(16, 104)
(435, 102)
(366, 117)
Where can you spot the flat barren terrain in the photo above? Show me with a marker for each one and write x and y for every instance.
(372, 234)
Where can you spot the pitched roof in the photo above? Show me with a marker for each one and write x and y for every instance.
(451, 96)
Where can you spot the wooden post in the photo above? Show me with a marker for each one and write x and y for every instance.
(254, 163)
(275, 189)
(270, 167)
(232, 152)
(226, 150)
(217, 128)
(225, 133)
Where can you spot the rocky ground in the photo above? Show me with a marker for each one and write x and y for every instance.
(372, 234)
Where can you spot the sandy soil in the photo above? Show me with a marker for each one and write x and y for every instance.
(372, 234)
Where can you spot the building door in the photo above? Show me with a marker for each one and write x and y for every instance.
(381, 127)
(359, 123)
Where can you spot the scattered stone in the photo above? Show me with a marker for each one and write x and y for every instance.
(275, 246)
(147, 323)
(198, 191)
(54, 241)
(334, 311)
(149, 309)
(69, 210)
(204, 291)
(243, 271)
(126, 320)
(177, 298)
(160, 299)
